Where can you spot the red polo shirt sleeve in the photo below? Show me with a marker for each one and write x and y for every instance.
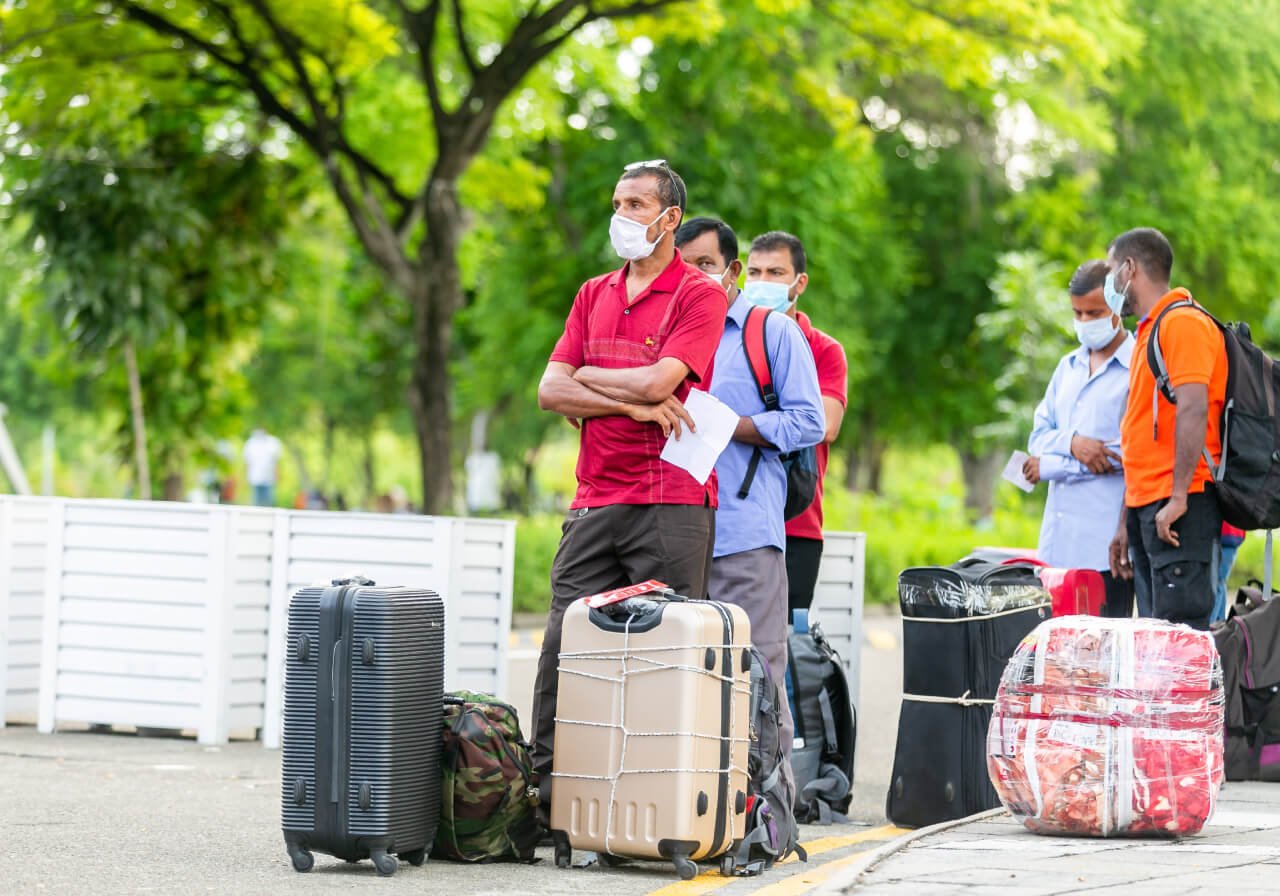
(833, 371)
(571, 344)
(699, 324)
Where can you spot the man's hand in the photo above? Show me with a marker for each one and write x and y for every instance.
(1170, 513)
(1031, 470)
(669, 414)
(1094, 454)
(1118, 553)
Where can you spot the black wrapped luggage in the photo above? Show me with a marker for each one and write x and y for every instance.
(960, 626)
(364, 680)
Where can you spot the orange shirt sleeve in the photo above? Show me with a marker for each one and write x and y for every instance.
(1189, 340)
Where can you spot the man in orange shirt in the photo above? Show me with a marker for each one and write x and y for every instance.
(1168, 536)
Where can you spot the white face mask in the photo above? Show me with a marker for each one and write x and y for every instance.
(629, 237)
(718, 278)
(1096, 334)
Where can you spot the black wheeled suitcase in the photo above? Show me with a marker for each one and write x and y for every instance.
(960, 626)
(364, 679)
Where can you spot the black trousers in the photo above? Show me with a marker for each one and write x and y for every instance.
(803, 557)
(611, 547)
(1177, 583)
(1120, 597)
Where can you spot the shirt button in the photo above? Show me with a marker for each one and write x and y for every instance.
(626, 310)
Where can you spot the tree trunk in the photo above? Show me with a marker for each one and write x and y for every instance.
(429, 398)
(852, 465)
(437, 296)
(141, 466)
(330, 434)
(370, 480)
(979, 472)
(875, 466)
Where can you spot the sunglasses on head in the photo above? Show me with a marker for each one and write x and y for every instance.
(654, 163)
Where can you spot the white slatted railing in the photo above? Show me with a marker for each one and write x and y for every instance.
(172, 615)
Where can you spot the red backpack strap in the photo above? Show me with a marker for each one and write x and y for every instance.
(753, 344)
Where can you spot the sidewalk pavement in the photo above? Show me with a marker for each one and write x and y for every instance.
(1238, 852)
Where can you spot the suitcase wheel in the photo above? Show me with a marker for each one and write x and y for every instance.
(685, 867)
(415, 858)
(303, 860)
(727, 865)
(564, 852)
(385, 864)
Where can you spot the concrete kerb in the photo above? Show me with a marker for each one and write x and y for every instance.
(848, 878)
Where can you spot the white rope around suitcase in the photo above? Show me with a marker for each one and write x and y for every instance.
(623, 655)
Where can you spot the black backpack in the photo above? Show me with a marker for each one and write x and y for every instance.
(1247, 476)
(801, 466)
(825, 728)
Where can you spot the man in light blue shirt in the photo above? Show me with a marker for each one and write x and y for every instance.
(749, 566)
(1075, 444)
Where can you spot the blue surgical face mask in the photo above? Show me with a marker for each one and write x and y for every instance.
(1097, 334)
(1114, 298)
(769, 294)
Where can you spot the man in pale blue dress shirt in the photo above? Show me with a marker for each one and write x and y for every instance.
(1075, 444)
(748, 566)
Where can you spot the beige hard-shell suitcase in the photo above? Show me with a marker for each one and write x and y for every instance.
(652, 731)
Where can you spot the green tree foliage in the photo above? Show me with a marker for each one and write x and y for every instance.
(158, 258)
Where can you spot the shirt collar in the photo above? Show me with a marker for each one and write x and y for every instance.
(667, 281)
(1122, 355)
(1166, 300)
(806, 326)
(738, 311)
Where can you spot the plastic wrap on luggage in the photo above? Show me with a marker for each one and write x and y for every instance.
(1109, 727)
(972, 589)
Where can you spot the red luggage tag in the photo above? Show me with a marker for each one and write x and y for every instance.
(605, 598)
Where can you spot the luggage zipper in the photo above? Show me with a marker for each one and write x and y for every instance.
(719, 841)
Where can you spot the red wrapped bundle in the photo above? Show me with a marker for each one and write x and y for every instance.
(1106, 727)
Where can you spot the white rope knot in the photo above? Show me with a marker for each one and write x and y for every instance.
(963, 700)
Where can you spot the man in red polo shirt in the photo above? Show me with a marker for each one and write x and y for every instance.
(635, 342)
(780, 256)
(1169, 534)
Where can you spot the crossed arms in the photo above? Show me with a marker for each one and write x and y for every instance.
(645, 394)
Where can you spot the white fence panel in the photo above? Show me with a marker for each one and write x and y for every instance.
(174, 615)
(469, 562)
(23, 527)
(837, 599)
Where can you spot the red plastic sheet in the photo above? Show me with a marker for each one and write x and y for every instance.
(1109, 727)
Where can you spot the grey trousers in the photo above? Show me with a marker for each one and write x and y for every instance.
(756, 580)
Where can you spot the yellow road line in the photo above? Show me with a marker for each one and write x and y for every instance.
(710, 881)
(809, 878)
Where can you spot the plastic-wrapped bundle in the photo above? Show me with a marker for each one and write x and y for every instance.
(972, 587)
(1109, 727)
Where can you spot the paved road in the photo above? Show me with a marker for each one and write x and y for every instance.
(98, 814)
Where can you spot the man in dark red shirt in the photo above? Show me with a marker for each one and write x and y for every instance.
(782, 254)
(634, 344)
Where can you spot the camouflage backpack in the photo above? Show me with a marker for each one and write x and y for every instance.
(487, 810)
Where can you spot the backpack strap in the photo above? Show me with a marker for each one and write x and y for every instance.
(757, 352)
(756, 349)
(1155, 361)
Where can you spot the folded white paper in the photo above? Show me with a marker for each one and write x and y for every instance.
(697, 451)
(1013, 471)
